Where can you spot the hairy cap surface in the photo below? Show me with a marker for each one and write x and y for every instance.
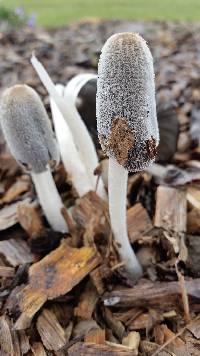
(27, 128)
(126, 108)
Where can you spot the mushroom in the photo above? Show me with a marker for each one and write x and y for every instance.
(69, 154)
(81, 136)
(28, 132)
(127, 125)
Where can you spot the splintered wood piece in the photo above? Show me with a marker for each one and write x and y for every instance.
(171, 209)
(91, 207)
(53, 276)
(96, 336)
(51, 332)
(30, 218)
(8, 216)
(82, 349)
(115, 325)
(162, 296)
(6, 272)
(96, 278)
(193, 221)
(38, 349)
(146, 320)
(6, 342)
(132, 341)
(193, 197)
(194, 328)
(24, 342)
(19, 187)
(9, 343)
(87, 302)
(16, 252)
(138, 221)
(162, 334)
(83, 327)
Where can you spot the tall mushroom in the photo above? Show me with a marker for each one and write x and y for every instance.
(28, 132)
(127, 125)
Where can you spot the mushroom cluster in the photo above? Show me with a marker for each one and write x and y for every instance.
(127, 129)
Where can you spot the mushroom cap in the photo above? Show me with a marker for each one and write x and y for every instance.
(126, 108)
(27, 128)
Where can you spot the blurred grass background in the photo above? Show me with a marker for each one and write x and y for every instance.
(62, 12)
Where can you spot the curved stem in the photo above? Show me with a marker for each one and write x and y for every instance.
(49, 199)
(117, 190)
(78, 128)
(76, 83)
(69, 154)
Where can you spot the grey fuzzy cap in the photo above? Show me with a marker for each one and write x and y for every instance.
(126, 108)
(27, 128)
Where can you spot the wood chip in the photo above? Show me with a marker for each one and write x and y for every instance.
(87, 302)
(38, 349)
(24, 342)
(16, 252)
(96, 336)
(8, 216)
(30, 218)
(132, 341)
(9, 343)
(194, 327)
(159, 295)
(6, 272)
(55, 275)
(162, 334)
(138, 222)
(115, 325)
(193, 197)
(20, 186)
(6, 342)
(193, 221)
(83, 349)
(50, 331)
(89, 207)
(171, 209)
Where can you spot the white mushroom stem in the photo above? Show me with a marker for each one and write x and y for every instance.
(49, 199)
(76, 83)
(78, 128)
(117, 190)
(68, 151)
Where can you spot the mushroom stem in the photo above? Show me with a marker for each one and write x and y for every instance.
(69, 154)
(117, 190)
(79, 131)
(76, 83)
(49, 199)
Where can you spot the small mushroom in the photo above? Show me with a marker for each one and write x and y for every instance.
(127, 125)
(28, 132)
(81, 136)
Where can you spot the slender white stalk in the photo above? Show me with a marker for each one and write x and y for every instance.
(69, 154)
(74, 86)
(49, 199)
(117, 190)
(78, 128)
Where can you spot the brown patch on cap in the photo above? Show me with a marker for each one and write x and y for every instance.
(151, 147)
(120, 140)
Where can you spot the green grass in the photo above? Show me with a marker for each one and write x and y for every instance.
(62, 12)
